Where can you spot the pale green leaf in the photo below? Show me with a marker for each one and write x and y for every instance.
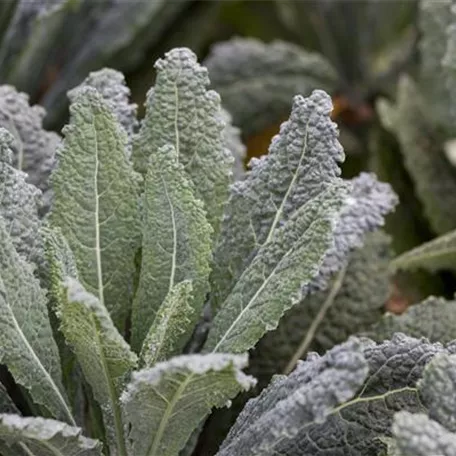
(233, 142)
(279, 275)
(257, 81)
(33, 147)
(301, 164)
(418, 435)
(440, 253)
(26, 343)
(353, 301)
(181, 111)
(434, 318)
(164, 404)
(96, 202)
(19, 203)
(105, 358)
(433, 175)
(43, 437)
(171, 326)
(438, 390)
(176, 243)
(305, 397)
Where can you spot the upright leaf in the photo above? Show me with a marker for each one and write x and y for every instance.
(352, 302)
(257, 81)
(434, 318)
(418, 435)
(169, 331)
(96, 202)
(182, 112)
(233, 142)
(176, 243)
(19, 203)
(302, 163)
(434, 177)
(33, 147)
(42, 437)
(291, 403)
(440, 253)
(104, 356)
(26, 344)
(164, 404)
(278, 276)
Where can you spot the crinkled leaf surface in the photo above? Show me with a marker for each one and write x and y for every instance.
(181, 111)
(274, 281)
(115, 92)
(433, 175)
(96, 202)
(172, 323)
(27, 347)
(233, 142)
(164, 404)
(418, 435)
(257, 81)
(434, 318)
(105, 358)
(305, 397)
(33, 147)
(301, 164)
(353, 301)
(440, 253)
(19, 203)
(438, 390)
(176, 243)
(354, 427)
(43, 437)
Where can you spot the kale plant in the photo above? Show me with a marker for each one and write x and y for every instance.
(130, 301)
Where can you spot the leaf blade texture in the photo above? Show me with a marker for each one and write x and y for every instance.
(96, 208)
(278, 184)
(43, 437)
(105, 358)
(19, 204)
(181, 111)
(167, 335)
(176, 242)
(257, 81)
(418, 435)
(179, 394)
(292, 402)
(28, 348)
(274, 281)
(33, 147)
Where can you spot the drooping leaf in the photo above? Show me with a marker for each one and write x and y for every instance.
(164, 404)
(19, 203)
(105, 358)
(418, 435)
(176, 243)
(434, 19)
(257, 81)
(434, 318)
(434, 177)
(440, 253)
(33, 147)
(302, 163)
(43, 437)
(116, 94)
(278, 276)
(168, 333)
(181, 111)
(305, 397)
(96, 202)
(27, 347)
(352, 302)
(438, 390)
